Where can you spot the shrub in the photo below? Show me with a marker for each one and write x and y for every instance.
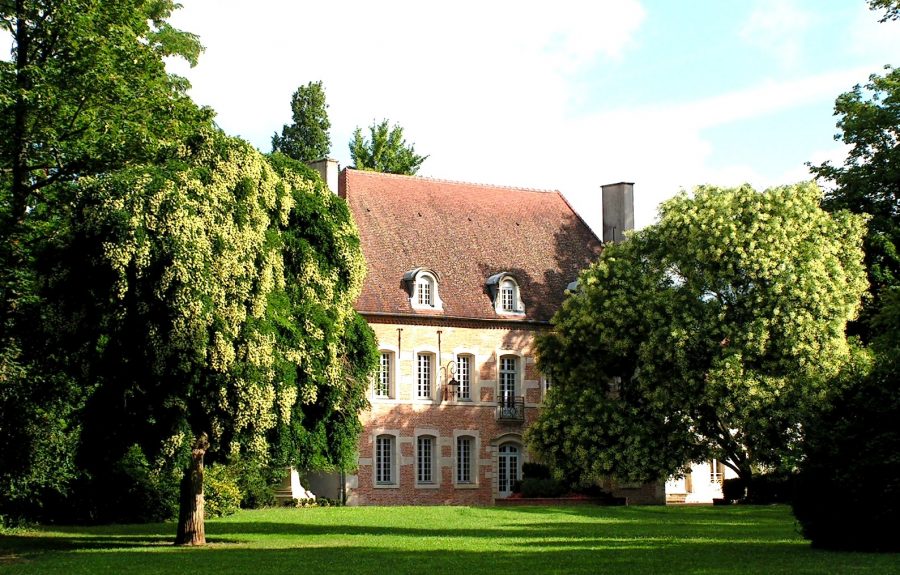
(848, 489)
(256, 482)
(771, 488)
(543, 488)
(535, 471)
(220, 491)
(733, 489)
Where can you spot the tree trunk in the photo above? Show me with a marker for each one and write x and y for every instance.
(191, 529)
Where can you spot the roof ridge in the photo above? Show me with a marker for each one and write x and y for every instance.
(447, 181)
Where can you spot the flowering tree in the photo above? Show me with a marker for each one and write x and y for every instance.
(706, 334)
(222, 290)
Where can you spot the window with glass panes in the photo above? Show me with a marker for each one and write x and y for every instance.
(383, 378)
(425, 291)
(384, 458)
(424, 374)
(507, 379)
(508, 296)
(464, 460)
(464, 376)
(425, 459)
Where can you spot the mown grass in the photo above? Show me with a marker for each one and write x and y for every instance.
(435, 540)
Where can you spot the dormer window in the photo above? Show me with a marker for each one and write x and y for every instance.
(422, 287)
(425, 290)
(508, 296)
(504, 291)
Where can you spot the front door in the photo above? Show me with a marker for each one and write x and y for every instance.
(508, 473)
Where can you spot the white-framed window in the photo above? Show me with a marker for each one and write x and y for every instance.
(424, 375)
(508, 465)
(509, 373)
(425, 457)
(506, 293)
(508, 296)
(463, 376)
(716, 471)
(384, 378)
(423, 288)
(385, 460)
(425, 291)
(464, 454)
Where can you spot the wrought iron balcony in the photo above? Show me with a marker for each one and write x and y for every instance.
(511, 409)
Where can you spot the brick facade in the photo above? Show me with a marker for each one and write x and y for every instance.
(444, 417)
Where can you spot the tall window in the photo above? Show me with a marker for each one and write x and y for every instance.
(716, 471)
(425, 290)
(507, 468)
(425, 459)
(384, 459)
(508, 296)
(464, 460)
(424, 375)
(464, 376)
(508, 372)
(383, 377)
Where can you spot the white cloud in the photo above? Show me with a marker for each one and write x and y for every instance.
(778, 28)
(485, 88)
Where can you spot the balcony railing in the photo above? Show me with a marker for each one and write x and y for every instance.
(511, 409)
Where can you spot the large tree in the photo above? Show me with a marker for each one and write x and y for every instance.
(84, 93)
(228, 325)
(707, 334)
(869, 180)
(384, 151)
(307, 138)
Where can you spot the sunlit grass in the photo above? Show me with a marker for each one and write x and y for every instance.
(434, 540)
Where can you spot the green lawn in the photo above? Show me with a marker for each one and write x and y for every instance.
(435, 540)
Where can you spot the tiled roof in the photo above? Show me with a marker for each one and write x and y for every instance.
(465, 233)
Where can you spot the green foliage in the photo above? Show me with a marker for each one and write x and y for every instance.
(85, 93)
(531, 470)
(710, 333)
(326, 350)
(221, 494)
(256, 482)
(545, 487)
(848, 491)
(307, 138)
(869, 180)
(386, 151)
(891, 8)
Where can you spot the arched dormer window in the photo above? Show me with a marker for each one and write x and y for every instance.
(422, 287)
(505, 293)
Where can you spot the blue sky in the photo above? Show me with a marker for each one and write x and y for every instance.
(563, 95)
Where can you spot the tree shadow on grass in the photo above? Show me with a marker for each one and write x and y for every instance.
(590, 555)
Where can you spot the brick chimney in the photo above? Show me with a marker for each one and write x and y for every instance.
(328, 170)
(618, 210)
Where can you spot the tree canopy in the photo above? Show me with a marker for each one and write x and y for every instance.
(227, 327)
(384, 151)
(869, 180)
(85, 93)
(707, 334)
(307, 138)
(170, 295)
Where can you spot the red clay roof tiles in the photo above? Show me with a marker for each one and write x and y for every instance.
(465, 233)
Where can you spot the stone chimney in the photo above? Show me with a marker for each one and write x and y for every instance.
(328, 170)
(618, 211)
